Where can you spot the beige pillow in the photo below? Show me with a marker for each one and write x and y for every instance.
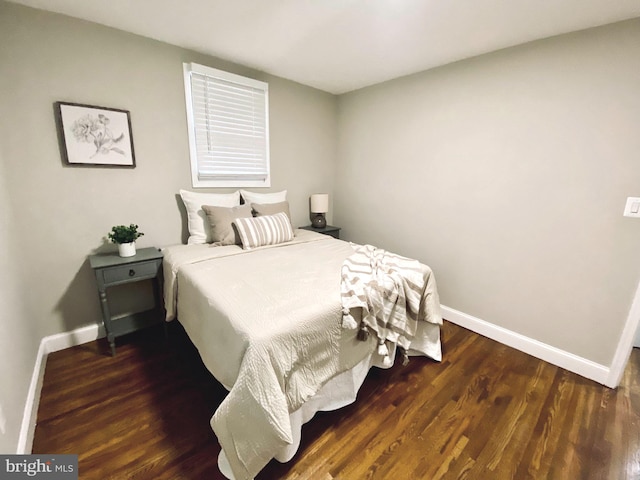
(221, 222)
(261, 209)
(266, 230)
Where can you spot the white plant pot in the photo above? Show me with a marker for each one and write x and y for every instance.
(127, 249)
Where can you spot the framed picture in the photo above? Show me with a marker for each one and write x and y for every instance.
(91, 135)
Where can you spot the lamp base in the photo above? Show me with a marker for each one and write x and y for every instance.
(318, 221)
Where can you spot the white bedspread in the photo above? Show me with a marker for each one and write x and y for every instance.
(267, 324)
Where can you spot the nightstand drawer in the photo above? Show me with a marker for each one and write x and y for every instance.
(130, 272)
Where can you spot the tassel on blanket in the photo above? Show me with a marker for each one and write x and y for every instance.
(348, 322)
(405, 357)
(383, 351)
(386, 362)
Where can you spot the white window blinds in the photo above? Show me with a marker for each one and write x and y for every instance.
(228, 128)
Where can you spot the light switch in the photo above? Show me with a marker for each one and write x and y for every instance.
(632, 207)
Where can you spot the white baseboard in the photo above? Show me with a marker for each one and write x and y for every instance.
(573, 363)
(625, 344)
(27, 430)
(48, 345)
(78, 336)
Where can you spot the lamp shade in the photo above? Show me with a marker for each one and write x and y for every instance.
(320, 203)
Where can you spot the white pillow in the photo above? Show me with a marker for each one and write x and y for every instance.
(252, 197)
(266, 230)
(198, 224)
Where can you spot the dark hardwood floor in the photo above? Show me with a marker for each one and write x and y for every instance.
(486, 412)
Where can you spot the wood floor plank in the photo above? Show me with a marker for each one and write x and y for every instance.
(485, 412)
(537, 457)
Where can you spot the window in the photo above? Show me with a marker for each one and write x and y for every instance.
(228, 120)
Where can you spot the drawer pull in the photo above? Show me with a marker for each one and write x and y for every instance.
(132, 272)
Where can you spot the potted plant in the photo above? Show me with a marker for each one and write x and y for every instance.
(125, 237)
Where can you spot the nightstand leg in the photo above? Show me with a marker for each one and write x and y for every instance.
(112, 344)
(106, 320)
(159, 302)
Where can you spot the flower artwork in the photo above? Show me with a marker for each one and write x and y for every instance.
(95, 135)
(96, 130)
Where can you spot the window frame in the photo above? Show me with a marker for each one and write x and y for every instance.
(239, 80)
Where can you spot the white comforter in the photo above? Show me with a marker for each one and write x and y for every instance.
(267, 323)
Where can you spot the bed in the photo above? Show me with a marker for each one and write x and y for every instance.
(269, 325)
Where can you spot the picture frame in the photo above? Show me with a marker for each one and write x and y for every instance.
(90, 135)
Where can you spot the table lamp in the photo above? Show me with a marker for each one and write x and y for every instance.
(319, 206)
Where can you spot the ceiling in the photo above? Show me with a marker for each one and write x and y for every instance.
(343, 45)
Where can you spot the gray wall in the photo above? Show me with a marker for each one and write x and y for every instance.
(19, 340)
(61, 214)
(508, 174)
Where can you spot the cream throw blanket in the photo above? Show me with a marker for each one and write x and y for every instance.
(394, 292)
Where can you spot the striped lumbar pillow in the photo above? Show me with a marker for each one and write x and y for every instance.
(265, 230)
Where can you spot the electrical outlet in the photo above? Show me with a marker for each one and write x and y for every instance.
(3, 422)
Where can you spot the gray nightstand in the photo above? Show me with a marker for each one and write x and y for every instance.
(328, 230)
(111, 270)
